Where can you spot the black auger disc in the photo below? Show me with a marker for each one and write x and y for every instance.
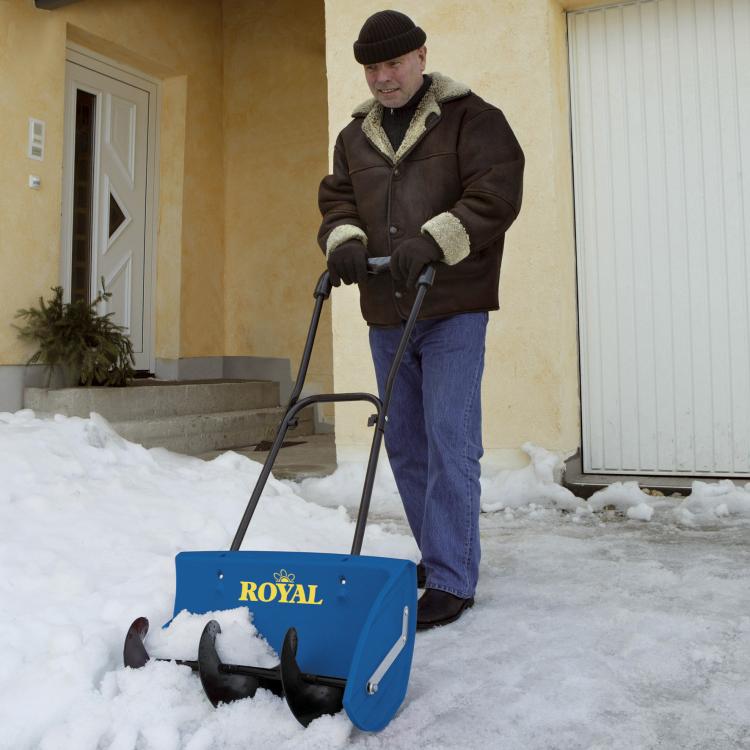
(307, 697)
(224, 683)
(134, 653)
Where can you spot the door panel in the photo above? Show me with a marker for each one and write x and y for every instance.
(122, 203)
(120, 175)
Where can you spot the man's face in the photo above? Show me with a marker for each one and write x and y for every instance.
(394, 82)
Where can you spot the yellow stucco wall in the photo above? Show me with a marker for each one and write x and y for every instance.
(276, 135)
(178, 42)
(29, 219)
(512, 53)
(243, 144)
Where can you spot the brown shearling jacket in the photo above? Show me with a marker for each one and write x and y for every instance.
(457, 176)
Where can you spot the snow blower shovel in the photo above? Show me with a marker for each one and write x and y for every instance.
(343, 624)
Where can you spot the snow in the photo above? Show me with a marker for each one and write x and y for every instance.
(640, 512)
(618, 622)
(241, 643)
(536, 483)
(709, 502)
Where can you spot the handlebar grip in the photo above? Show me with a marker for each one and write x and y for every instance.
(427, 277)
(382, 264)
(378, 265)
(375, 266)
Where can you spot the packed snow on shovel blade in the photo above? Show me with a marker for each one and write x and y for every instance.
(238, 643)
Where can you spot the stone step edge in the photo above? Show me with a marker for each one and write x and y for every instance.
(194, 435)
(305, 415)
(245, 427)
(148, 402)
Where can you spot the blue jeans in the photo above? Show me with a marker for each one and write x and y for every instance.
(433, 438)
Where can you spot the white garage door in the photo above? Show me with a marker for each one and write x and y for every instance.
(660, 95)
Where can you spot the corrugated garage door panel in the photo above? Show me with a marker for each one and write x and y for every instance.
(661, 139)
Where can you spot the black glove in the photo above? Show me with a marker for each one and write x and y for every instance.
(410, 257)
(348, 263)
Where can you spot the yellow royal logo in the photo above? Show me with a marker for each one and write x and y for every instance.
(283, 589)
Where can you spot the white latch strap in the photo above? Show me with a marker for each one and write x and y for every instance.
(390, 657)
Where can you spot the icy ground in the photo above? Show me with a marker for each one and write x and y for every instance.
(623, 622)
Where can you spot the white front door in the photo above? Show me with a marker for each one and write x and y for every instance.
(106, 205)
(660, 96)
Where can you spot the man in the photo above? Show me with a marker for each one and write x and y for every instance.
(426, 172)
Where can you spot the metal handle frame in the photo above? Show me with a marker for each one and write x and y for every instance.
(295, 405)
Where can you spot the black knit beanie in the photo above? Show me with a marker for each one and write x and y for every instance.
(385, 35)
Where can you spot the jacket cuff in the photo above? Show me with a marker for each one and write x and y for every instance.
(344, 233)
(451, 235)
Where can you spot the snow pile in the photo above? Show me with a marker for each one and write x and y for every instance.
(535, 491)
(627, 497)
(537, 483)
(90, 527)
(708, 503)
(559, 650)
(343, 488)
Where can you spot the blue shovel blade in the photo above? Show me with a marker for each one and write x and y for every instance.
(328, 598)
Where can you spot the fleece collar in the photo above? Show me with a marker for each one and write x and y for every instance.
(443, 89)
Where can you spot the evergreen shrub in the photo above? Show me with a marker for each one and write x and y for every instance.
(75, 336)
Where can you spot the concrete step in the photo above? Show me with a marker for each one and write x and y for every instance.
(147, 399)
(185, 416)
(199, 433)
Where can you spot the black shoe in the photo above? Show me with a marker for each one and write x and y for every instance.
(421, 575)
(439, 608)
